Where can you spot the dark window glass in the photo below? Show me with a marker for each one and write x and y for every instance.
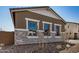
(32, 26)
(57, 30)
(46, 29)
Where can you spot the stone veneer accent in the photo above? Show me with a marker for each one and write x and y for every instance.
(21, 38)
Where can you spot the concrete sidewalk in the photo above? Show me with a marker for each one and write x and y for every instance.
(73, 41)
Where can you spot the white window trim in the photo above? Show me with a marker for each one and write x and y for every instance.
(40, 31)
(32, 20)
(44, 22)
(58, 24)
(57, 36)
(47, 36)
(60, 31)
(32, 37)
(21, 29)
(29, 19)
(47, 22)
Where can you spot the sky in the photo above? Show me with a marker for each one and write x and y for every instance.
(68, 13)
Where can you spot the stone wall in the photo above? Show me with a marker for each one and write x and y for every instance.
(21, 38)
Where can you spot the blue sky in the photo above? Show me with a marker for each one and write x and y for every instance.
(68, 13)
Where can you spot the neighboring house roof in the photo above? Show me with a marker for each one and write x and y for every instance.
(73, 23)
(30, 9)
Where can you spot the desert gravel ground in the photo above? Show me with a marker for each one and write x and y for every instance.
(73, 49)
(34, 48)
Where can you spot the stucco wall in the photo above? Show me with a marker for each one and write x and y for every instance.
(44, 11)
(72, 28)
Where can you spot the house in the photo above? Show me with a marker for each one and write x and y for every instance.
(37, 25)
(72, 30)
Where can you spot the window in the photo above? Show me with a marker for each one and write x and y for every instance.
(46, 29)
(32, 26)
(57, 29)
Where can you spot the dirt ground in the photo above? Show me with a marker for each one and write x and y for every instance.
(73, 49)
(34, 48)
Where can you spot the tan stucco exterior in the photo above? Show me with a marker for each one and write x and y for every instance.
(72, 29)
